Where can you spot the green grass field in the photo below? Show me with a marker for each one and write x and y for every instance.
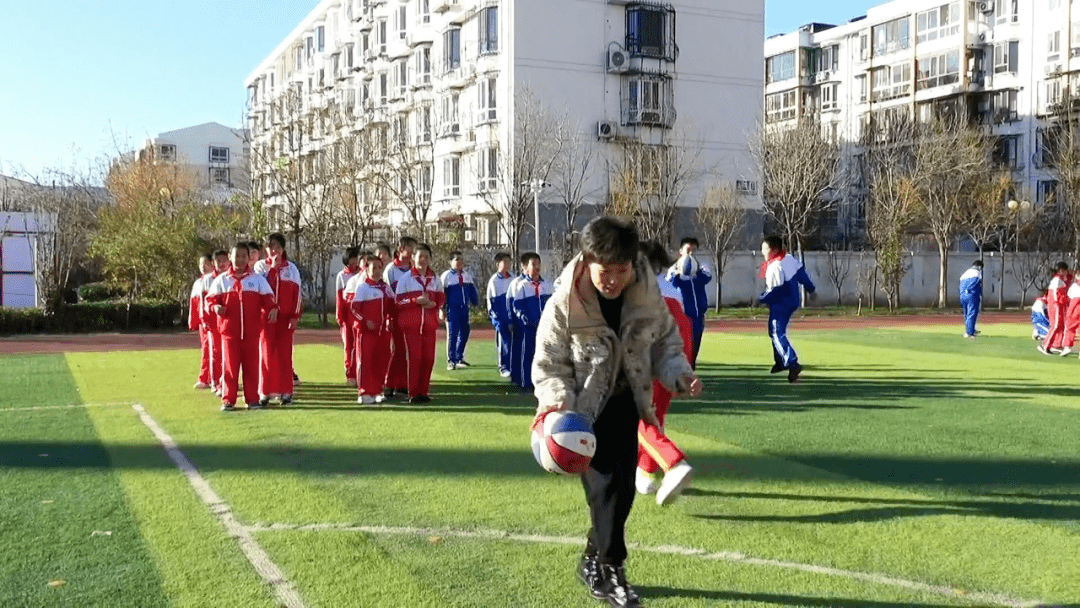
(909, 468)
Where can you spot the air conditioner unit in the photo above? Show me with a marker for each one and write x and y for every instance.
(606, 129)
(1052, 68)
(745, 186)
(986, 7)
(618, 61)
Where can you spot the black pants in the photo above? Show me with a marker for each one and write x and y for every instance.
(609, 480)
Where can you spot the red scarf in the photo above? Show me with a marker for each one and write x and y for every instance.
(426, 280)
(779, 255)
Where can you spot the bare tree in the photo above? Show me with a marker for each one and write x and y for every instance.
(405, 161)
(866, 283)
(650, 182)
(837, 269)
(1060, 151)
(572, 183)
(719, 217)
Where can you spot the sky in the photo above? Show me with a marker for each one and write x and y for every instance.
(84, 80)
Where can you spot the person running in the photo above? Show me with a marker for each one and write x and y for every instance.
(783, 275)
(691, 277)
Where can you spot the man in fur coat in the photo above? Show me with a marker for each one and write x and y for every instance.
(603, 338)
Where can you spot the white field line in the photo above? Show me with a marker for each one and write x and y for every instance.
(284, 590)
(723, 556)
(62, 407)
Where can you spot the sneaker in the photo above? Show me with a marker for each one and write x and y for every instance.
(646, 483)
(228, 407)
(295, 378)
(1054, 351)
(286, 400)
(379, 398)
(589, 573)
(615, 589)
(777, 368)
(366, 399)
(1036, 336)
(420, 399)
(451, 366)
(793, 373)
(201, 385)
(388, 393)
(349, 381)
(1066, 351)
(675, 481)
(505, 373)
(263, 403)
(463, 363)
(969, 336)
(1042, 349)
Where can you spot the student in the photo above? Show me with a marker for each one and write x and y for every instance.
(351, 260)
(497, 311)
(656, 450)
(1040, 324)
(783, 275)
(217, 355)
(1057, 303)
(419, 297)
(971, 284)
(1072, 317)
(460, 296)
(691, 277)
(241, 299)
(516, 333)
(372, 308)
(276, 345)
(255, 254)
(526, 298)
(608, 299)
(397, 376)
(196, 321)
(382, 250)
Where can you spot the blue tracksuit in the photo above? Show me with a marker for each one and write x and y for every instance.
(695, 301)
(1040, 323)
(971, 298)
(782, 279)
(460, 295)
(526, 299)
(500, 318)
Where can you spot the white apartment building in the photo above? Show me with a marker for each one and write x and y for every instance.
(444, 75)
(1006, 64)
(216, 154)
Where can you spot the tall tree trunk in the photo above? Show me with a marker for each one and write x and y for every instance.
(943, 269)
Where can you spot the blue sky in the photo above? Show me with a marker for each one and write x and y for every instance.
(81, 79)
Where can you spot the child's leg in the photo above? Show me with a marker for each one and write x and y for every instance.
(377, 353)
(267, 363)
(285, 358)
(528, 349)
(699, 331)
(516, 338)
(413, 359)
(1056, 334)
(249, 358)
(204, 356)
(778, 322)
(230, 366)
(348, 342)
(656, 450)
(463, 337)
(427, 362)
(452, 331)
(503, 338)
(217, 360)
(609, 480)
(397, 376)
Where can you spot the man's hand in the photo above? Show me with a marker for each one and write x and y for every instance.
(423, 301)
(692, 384)
(272, 317)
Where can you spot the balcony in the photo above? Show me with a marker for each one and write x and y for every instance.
(662, 116)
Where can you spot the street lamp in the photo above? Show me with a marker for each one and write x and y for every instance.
(535, 186)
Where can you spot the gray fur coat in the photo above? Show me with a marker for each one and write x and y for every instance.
(578, 356)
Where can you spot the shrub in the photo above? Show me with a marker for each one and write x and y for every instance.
(89, 317)
(98, 292)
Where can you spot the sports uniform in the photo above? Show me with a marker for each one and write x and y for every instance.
(500, 318)
(418, 325)
(345, 320)
(247, 299)
(460, 295)
(372, 301)
(527, 298)
(276, 344)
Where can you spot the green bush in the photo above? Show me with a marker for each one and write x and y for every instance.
(98, 292)
(88, 317)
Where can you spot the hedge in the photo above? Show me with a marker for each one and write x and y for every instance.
(87, 317)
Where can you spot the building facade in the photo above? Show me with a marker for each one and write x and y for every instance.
(217, 156)
(1010, 65)
(438, 88)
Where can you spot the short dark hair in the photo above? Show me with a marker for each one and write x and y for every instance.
(364, 256)
(245, 245)
(219, 252)
(657, 255)
(1062, 265)
(422, 247)
(608, 240)
(254, 245)
(454, 255)
(276, 237)
(350, 253)
(385, 247)
(408, 241)
(529, 256)
(977, 263)
(689, 240)
(502, 255)
(774, 242)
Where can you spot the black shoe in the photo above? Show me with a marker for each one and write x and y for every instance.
(463, 362)
(286, 400)
(589, 573)
(777, 368)
(793, 373)
(295, 378)
(616, 590)
(228, 407)
(262, 404)
(420, 399)
(388, 393)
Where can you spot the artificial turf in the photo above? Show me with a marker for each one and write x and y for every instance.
(912, 454)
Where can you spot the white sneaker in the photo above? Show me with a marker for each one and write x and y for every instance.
(201, 385)
(366, 399)
(380, 398)
(1066, 351)
(968, 336)
(646, 483)
(505, 373)
(451, 367)
(675, 481)
(349, 381)
(1042, 349)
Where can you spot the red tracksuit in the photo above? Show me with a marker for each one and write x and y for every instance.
(217, 356)
(373, 301)
(276, 344)
(247, 299)
(655, 450)
(345, 321)
(418, 325)
(1072, 315)
(397, 376)
(1057, 303)
(198, 320)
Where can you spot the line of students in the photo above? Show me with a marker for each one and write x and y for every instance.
(1061, 303)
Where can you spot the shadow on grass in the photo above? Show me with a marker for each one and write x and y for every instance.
(774, 598)
(461, 397)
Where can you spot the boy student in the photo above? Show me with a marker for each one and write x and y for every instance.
(783, 275)
(1057, 303)
(1040, 324)
(276, 345)
(196, 321)
(525, 299)
(460, 295)
(602, 340)
(372, 309)
(382, 250)
(497, 312)
(655, 450)
(397, 376)
(1072, 317)
(351, 260)
(971, 284)
(690, 277)
(255, 251)
(217, 355)
(241, 300)
(419, 297)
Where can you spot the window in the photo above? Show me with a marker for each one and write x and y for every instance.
(219, 154)
(320, 34)
(488, 165)
(939, 70)
(423, 66)
(891, 82)
(1046, 191)
(860, 83)
(648, 102)
(450, 120)
(219, 175)
(401, 14)
(1006, 56)
(1006, 11)
(452, 177)
(423, 10)
(381, 38)
(423, 125)
(780, 106)
(383, 88)
(401, 129)
(452, 49)
(1053, 46)
(487, 100)
(825, 59)
(1003, 106)
(423, 179)
(892, 36)
(310, 48)
(864, 45)
(489, 30)
(650, 31)
(829, 100)
(1007, 152)
(401, 78)
(939, 22)
(780, 67)
(167, 152)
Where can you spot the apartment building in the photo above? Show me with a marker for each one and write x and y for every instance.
(1010, 65)
(437, 83)
(216, 154)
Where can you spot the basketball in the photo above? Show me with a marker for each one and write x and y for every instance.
(563, 443)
